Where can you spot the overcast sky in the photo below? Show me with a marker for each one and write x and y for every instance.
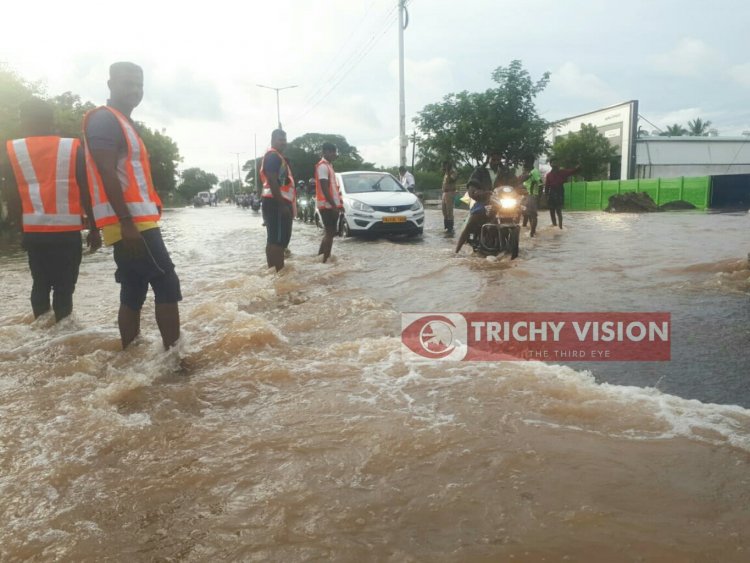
(680, 58)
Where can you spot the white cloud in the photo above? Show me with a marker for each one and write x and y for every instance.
(740, 74)
(569, 80)
(690, 57)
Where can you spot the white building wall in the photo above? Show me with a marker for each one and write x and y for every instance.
(669, 157)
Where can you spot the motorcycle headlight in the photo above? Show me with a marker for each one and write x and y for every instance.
(416, 207)
(302, 201)
(508, 203)
(359, 206)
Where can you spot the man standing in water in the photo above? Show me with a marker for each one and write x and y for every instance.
(47, 193)
(554, 187)
(327, 197)
(449, 193)
(128, 208)
(278, 199)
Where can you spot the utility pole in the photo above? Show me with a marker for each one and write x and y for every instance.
(278, 113)
(403, 22)
(239, 172)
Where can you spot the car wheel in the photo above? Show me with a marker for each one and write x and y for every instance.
(344, 229)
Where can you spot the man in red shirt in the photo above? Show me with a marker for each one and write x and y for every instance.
(554, 187)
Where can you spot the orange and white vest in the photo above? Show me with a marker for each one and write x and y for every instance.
(321, 202)
(134, 173)
(45, 171)
(288, 190)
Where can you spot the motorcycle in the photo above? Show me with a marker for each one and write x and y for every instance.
(302, 199)
(502, 231)
(255, 202)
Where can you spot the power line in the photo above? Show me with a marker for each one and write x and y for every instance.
(351, 63)
(341, 52)
(651, 124)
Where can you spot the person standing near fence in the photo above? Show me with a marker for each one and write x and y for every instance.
(554, 187)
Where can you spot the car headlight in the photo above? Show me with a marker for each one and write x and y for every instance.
(359, 206)
(417, 206)
(508, 203)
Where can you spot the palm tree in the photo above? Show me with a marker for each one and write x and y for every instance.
(675, 130)
(698, 127)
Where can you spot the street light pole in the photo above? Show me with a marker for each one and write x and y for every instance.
(278, 112)
(403, 22)
(239, 172)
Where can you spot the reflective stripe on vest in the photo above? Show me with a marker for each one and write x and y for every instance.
(333, 189)
(287, 190)
(45, 172)
(133, 173)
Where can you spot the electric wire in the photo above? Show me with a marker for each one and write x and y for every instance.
(350, 64)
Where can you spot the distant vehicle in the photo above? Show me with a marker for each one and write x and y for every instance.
(201, 199)
(375, 203)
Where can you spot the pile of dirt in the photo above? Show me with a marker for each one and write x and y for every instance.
(631, 202)
(679, 205)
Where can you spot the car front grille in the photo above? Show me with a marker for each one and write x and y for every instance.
(391, 208)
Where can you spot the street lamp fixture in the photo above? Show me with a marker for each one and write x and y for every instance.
(278, 114)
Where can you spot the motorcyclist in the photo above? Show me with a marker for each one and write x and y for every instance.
(479, 214)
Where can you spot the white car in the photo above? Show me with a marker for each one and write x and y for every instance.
(375, 203)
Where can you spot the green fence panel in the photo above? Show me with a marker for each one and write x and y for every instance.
(650, 187)
(593, 196)
(575, 196)
(670, 190)
(610, 188)
(697, 190)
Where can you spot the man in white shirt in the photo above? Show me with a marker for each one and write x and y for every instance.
(406, 178)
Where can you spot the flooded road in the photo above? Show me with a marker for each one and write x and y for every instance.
(286, 427)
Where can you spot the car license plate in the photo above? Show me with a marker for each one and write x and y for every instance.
(396, 219)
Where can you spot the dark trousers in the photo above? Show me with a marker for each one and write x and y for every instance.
(54, 260)
(555, 213)
(556, 199)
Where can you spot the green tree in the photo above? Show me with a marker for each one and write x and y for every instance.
(164, 156)
(698, 128)
(303, 154)
(194, 180)
(675, 130)
(587, 148)
(13, 92)
(69, 112)
(468, 127)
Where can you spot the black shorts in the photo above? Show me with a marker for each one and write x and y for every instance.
(154, 267)
(278, 219)
(330, 218)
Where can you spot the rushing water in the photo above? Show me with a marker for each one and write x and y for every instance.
(286, 427)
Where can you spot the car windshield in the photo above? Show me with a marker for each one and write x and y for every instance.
(361, 183)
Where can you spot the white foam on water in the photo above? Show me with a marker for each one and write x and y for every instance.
(557, 393)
